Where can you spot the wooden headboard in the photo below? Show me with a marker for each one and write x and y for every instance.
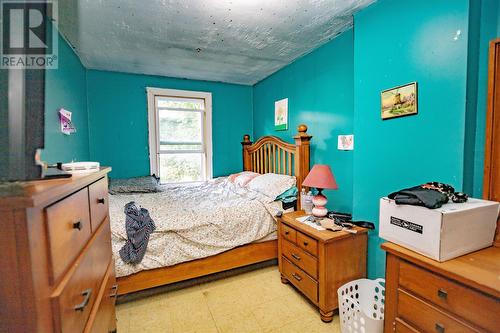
(271, 154)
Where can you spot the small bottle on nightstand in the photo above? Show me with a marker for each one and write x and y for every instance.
(302, 197)
(308, 204)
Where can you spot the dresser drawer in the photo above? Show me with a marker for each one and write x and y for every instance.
(300, 258)
(104, 320)
(307, 243)
(98, 198)
(425, 317)
(401, 327)
(479, 309)
(73, 299)
(301, 280)
(288, 233)
(68, 228)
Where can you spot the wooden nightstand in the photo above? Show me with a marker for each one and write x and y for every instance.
(317, 262)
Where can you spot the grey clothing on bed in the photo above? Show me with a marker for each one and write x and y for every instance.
(138, 225)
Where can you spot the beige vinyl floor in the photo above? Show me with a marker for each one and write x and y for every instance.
(255, 301)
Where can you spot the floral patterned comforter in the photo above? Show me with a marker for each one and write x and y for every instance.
(194, 221)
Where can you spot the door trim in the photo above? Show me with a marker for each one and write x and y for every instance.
(490, 117)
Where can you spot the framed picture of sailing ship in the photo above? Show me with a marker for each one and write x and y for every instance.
(399, 101)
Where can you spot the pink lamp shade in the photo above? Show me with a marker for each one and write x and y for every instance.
(320, 177)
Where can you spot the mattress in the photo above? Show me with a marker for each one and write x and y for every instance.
(271, 236)
(194, 221)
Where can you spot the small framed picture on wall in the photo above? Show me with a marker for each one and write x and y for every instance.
(399, 101)
(281, 115)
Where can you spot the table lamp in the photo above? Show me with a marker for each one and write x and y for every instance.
(320, 177)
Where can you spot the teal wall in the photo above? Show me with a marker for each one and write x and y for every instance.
(319, 88)
(117, 107)
(498, 20)
(65, 87)
(417, 44)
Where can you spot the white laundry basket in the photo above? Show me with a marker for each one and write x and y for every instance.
(361, 306)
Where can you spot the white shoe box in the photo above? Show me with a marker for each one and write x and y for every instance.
(443, 233)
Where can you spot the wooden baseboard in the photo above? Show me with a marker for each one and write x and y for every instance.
(240, 256)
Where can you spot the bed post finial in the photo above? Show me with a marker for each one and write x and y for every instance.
(302, 128)
(247, 161)
(302, 140)
(302, 137)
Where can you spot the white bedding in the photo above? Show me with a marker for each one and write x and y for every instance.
(194, 221)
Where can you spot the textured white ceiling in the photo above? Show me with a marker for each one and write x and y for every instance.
(235, 41)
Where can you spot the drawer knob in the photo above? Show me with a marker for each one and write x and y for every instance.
(114, 291)
(86, 298)
(442, 294)
(287, 232)
(77, 225)
(101, 201)
(296, 277)
(306, 243)
(295, 256)
(439, 328)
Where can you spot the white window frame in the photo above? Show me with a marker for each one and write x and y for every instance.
(154, 147)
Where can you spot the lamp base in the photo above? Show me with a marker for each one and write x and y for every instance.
(319, 201)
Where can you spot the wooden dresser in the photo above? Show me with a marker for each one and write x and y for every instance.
(56, 263)
(459, 295)
(317, 262)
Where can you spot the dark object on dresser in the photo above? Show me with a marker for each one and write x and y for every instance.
(459, 295)
(319, 262)
(53, 173)
(57, 268)
(430, 195)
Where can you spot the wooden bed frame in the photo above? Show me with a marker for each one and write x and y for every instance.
(268, 154)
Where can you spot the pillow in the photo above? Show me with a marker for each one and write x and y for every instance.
(245, 177)
(233, 176)
(145, 184)
(271, 184)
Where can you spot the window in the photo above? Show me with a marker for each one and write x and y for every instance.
(180, 135)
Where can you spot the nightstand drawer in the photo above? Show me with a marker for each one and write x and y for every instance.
(288, 233)
(307, 243)
(426, 317)
(300, 258)
(301, 280)
(451, 296)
